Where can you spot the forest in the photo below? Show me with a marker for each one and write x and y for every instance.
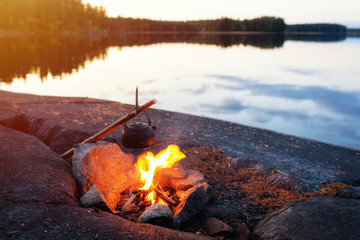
(73, 15)
(316, 28)
(49, 15)
(261, 24)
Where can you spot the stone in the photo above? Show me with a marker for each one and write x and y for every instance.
(215, 226)
(93, 198)
(191, 203)
(105, 165)
(316, 218)
(154, 212)
(210, 192)
(193, 179)
(243, 231)
(165, 174)
(349, 193)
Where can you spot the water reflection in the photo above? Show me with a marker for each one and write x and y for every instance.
(336, 112)
(344, 103)
(58, 54)
(54, 55)
(306, 89)
(316, 37)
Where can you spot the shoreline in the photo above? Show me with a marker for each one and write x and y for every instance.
(262, 181)
(74, 119)
(106, 33)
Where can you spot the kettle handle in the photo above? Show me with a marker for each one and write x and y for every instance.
(146, 116)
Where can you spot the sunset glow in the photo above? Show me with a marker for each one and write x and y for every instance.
(343, 12)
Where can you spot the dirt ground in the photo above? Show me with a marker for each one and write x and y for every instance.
(245, 195)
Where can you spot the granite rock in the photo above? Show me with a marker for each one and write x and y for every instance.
(317, 218)
(191, 203)
(105, 165)
(154, 212)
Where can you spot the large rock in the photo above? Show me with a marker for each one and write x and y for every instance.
(105, 165)
(349, 193)
(30, 171)
(316, 218)
(191, 203)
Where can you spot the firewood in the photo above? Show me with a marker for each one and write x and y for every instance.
(128, 202)
(163, 195)
(111, 127)
(131, 208)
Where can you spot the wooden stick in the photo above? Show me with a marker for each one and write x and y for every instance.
(113, 126)
(129, 201)
(163, 196)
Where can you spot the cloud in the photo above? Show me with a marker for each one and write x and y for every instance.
(336, 101)
(196, 91)
(228, 105)
(304, 72)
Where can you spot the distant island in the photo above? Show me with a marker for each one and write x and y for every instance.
(73, 15)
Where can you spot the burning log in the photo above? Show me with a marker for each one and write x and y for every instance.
(113, 126)
(163, 195)
(128, 203)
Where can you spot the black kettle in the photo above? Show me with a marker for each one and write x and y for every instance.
(138, 134)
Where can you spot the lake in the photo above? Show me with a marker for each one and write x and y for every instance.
(305, 86)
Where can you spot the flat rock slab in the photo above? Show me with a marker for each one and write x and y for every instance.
(349, 193)
(38, 199)
(62, 122)
(316, 218)
(46, 221)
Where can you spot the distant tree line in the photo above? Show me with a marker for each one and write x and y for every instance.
(317, 28)
(266, 24)
(53, 15)
(49, 15)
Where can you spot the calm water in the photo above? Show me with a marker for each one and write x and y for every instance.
(304, 88)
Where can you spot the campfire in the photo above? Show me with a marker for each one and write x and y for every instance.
(149, 165)
(158, 189)
(149, 189)
(153, 188)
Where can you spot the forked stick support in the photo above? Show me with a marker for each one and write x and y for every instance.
(112, 127)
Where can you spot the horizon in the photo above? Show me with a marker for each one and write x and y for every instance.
(296, 12)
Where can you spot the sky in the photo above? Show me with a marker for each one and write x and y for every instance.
(346, 12)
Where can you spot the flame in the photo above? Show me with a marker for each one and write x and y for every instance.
(148, 164)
